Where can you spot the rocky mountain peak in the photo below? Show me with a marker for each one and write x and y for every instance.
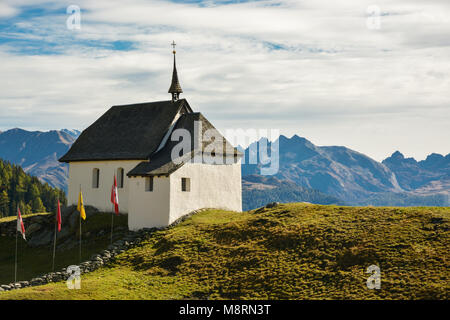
(397, 155)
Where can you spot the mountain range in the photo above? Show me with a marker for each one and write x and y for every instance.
(38, 152)
(354, 177)
(427, 176)
(310, 173)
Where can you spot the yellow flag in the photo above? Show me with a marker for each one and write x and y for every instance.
(80, 206)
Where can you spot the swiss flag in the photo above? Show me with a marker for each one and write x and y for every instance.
(115, 196)
(20, 226)
(58, 216)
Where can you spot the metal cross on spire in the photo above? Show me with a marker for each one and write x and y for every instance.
(173, 44)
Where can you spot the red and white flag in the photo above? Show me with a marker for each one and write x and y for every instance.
(115, 196)
(20, 226)
(58, 216)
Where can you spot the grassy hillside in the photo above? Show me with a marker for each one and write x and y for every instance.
(292, 251)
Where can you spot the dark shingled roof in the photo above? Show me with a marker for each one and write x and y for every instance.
(161, 162)
(128, 132)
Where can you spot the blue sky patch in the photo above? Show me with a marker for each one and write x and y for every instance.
(43, 31)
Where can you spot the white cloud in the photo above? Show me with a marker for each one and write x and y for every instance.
(306, 67)
(7, 10)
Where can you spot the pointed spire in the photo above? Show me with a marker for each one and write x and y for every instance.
(175, 87)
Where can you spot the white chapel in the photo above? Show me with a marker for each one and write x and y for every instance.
(168, 160)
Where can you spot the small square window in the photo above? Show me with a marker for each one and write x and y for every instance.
(185, 184)
(149, 184)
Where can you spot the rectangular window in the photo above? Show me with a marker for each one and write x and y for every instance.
(120, 176)
(149, 184)
(185, 184)
(95, 178)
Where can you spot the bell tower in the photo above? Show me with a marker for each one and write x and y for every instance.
(175, 87)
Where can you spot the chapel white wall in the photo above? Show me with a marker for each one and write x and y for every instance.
(80, 173)
(148, 209)
(211, 186)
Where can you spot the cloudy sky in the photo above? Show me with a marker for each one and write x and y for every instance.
(371, 75)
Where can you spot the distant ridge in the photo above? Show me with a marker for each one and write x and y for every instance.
(356, 178)
(73, 132)
(430, 174)
(258, 190)
(37, 152)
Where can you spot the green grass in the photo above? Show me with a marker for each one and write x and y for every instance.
(11, 218)
(293, 251)
(32, 262)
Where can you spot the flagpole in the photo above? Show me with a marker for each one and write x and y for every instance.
(80, 238)
(54, 241)
(80, 230)
(15, 264)
(112, 216)
(112, 222)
